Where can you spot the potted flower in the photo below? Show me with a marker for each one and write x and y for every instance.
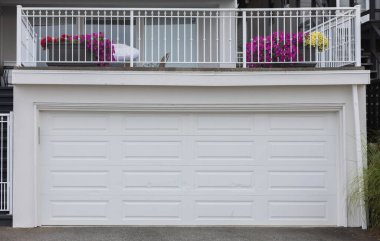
(278, 49)
(314, 42)
(78, 48)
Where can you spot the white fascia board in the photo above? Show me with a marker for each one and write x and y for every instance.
(189, 78)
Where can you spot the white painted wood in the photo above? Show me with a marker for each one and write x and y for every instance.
(19, 36)
(359, 152)
(358, 36)
(188, 168)
(190, 78)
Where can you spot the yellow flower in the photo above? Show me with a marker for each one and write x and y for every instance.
(317, 40)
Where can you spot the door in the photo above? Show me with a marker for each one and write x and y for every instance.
(157, 168)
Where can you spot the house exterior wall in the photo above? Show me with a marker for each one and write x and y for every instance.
(217, 91)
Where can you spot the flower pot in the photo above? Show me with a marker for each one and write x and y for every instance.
(68, 55)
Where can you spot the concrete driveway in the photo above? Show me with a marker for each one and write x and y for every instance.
(183, 234)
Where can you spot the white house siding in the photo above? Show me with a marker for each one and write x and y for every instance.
(98, 94)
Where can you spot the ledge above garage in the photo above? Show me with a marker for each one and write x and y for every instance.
(189, 77)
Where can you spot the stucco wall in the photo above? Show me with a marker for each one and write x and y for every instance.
(27, 96)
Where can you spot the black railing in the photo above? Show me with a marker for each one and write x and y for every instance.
(371, 42)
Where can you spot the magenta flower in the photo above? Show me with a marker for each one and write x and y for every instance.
(101, 48)
(274, 48)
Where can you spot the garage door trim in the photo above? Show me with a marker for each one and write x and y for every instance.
(338, 108)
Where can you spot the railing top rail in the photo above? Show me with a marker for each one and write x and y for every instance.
(190, 9)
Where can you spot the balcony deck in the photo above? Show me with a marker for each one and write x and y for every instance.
(173, 69)
(189, 77)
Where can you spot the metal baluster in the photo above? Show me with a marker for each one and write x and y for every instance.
(72, 34)
(178, 47)
(139, 21)
(131, 29)
(158, 33)
(265, 39)
(151, 37)
(271, 32)
(59, 35)
(171, 33)
(98, 40)
(92, 35)
(217, 37)
(165, 34)
(184, 37)
(278, 32)
(258, 36)
(85, 36)
(191, 36)
(297, 36)
(65, 33)
(145, 36)
(230, 39)
(211, 46)
(204, 36)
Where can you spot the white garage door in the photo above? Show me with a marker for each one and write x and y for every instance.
(118, 168)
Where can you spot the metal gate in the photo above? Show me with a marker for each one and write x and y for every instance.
(6, 121)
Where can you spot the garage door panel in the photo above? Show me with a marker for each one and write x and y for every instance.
(153, 124)
(59, 123)
(223, 209)
(63, 208)
(224, 124)
(152, 210)
(188, 169)
(80, 180)
(300, 180)
(299, 123)
(159, 150)
(153, 180)
(223, 150)
(79, 209)
(226, 209)
(221, 180)
(74, 150)
(301, 150)
(316, 209)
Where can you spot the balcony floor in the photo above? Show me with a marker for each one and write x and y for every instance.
(276, 69)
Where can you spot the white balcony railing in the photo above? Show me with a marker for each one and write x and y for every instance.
(246, 38)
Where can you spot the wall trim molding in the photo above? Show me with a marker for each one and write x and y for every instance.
(189, 107)
(189, 78)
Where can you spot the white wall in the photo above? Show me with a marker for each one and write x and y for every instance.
(27, 95)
